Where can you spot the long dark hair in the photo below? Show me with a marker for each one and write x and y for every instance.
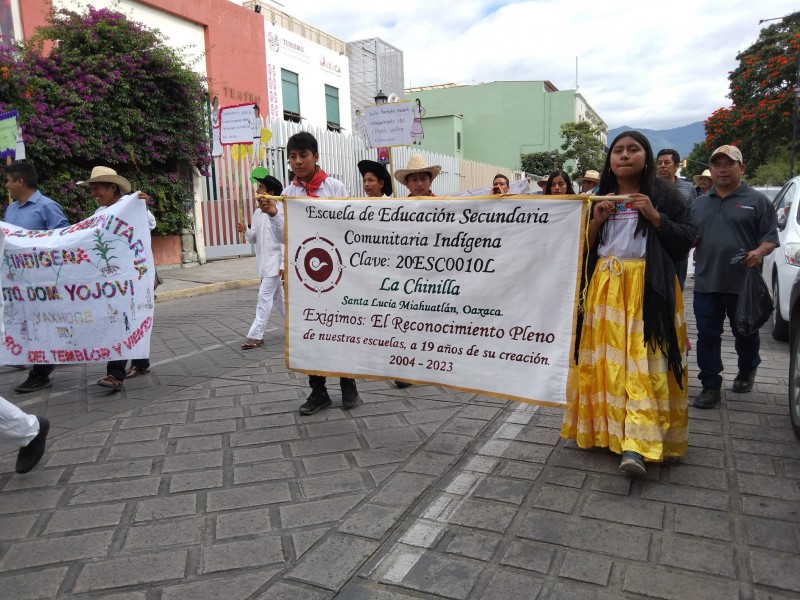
(552, 176)
(647, 178)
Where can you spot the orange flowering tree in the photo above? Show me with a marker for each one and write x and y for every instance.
(762, 92)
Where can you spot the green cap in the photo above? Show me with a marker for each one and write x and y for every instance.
(258, 174)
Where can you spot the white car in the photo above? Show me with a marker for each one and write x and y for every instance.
(781, 267)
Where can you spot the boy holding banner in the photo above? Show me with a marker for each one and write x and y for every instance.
(265, 232)
(311, 181)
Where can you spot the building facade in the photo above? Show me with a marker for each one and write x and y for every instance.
(500, 121)
(308, 78)
(375, 66)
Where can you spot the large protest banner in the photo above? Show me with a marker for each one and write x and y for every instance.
(477, 294)
(83, 293)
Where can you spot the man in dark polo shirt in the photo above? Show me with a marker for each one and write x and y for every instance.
(730, 218)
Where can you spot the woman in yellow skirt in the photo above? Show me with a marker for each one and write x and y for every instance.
(628, 390)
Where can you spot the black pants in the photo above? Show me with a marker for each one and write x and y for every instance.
(117, 368)
(42, 371)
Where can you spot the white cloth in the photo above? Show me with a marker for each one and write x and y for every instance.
(266, 234)
(270, 292)
(330, 188)
(16, 427)
(151, 219)
(619, 239)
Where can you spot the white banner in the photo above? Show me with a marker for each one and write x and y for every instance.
(477, 294)
(83, 293)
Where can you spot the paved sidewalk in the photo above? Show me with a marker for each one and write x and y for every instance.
(220, 489)
(213, 276)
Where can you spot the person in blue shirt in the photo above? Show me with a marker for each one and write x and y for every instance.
(32, 210)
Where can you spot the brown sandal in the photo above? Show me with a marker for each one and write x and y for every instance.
(136, 371)
(249, 344)
(110, 382)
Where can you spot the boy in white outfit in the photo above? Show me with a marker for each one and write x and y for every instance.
(266, 233)
(28, 432)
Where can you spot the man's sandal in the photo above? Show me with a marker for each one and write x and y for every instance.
(249, 344)
(136, 371)
(110, 382)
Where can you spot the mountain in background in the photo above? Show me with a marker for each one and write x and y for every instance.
(681, 139)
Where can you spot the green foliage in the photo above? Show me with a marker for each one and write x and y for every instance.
(110, 93)
(582, 143)
(541, 163)
(761, 88)
(774, 172)
(696, 161)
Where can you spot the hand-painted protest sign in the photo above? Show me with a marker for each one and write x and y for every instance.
(389, 124)
(83, 293)
(477, 294)
(238, 123)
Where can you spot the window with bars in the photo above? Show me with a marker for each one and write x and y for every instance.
(332, 108)
(291, 96)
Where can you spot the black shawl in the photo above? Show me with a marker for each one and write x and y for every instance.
(666, 246)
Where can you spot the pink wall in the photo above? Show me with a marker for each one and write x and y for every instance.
(236, 60)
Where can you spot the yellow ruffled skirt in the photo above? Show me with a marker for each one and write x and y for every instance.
(621, 395)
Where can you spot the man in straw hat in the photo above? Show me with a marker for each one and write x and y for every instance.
(703, 182)
(31, 210)
(265, 232)
(418, 176)
(732, 217)
(311, 181)
(107, 187)
(589, 182)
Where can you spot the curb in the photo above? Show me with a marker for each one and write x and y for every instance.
(206, 289)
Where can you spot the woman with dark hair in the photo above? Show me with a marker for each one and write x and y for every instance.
(558, 184)
(628, 391)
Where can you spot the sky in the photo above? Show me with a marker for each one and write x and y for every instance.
(640, 64)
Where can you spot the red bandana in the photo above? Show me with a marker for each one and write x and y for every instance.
(312, 186)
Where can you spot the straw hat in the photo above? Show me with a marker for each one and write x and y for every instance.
(417, 164)
(377, 169)
(590, 175)
(107, 175)
(705, 174)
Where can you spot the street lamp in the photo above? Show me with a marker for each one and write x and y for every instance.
(554, 158)
(381, 98)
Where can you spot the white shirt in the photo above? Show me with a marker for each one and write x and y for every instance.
(266, 234)
(619, 234)
(151, 219)
(330, 188)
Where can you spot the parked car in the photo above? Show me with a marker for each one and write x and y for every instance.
(794, 356)
(781, 267)
(770, 191)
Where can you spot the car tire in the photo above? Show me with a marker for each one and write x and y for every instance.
(780, 327)
(794, 385)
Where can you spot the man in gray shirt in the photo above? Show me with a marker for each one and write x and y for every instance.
(732, 217)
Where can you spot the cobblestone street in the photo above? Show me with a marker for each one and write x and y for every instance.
(201, 481)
